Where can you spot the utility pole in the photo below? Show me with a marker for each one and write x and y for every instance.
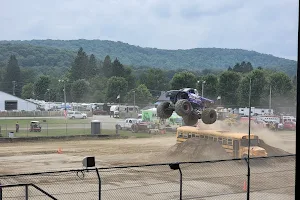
(48, 90)
(249, 143)
(203, 82)
(270, 98)
(65, 99)
(134, 100)
(14, 86)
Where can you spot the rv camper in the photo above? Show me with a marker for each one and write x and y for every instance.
(122, 111)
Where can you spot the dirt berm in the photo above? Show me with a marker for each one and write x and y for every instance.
(272, 151)
(195, 149)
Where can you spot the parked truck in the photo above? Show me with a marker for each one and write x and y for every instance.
(126, 124)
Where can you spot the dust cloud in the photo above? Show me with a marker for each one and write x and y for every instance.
(269, 137)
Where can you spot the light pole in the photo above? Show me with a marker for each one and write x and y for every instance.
(203, 82)
(65, 99)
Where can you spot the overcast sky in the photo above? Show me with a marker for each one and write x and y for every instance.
(266, 26)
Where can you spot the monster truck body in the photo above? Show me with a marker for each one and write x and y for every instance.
(188, 104)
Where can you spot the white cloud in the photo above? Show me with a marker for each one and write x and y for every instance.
(264, 26)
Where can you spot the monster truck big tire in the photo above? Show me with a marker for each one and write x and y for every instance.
(183, 107)
(190, 120)
(163, 110)
(209, 116)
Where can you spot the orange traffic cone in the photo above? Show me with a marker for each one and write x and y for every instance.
(59, 151)
(245, 186)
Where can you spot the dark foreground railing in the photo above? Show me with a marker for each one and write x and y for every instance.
(271, 177)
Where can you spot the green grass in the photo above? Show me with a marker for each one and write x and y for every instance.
(78, 131)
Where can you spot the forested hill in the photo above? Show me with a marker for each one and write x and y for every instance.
(33, 56)
(199, 58)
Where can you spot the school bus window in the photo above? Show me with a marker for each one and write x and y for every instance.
(193, 135)
(215, 139)
(189, 135)
(220, 140)
(197, 136)
(211, 138)
(229, 141)
(185, 135)
(224, 141)
(180, 135)
(206, 137)
(201, 136)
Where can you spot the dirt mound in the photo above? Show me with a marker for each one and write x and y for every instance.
(272, 151)
(195, 149)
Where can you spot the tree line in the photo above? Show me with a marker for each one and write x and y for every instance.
(91, 80)
(62, 52)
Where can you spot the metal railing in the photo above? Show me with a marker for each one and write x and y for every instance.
(271, 177)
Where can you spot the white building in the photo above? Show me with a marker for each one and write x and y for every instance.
(9, 102)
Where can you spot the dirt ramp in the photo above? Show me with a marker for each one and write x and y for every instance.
(272, 151)
(195, 149)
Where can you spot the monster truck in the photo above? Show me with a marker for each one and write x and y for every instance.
(189, 105)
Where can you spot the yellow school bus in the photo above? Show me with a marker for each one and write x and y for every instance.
(235, 144)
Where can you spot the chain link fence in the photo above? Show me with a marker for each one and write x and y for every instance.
(70, 127)
(67, 129)
(270, 178)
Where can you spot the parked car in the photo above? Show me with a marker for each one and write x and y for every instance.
(76, 115)
(289, 125)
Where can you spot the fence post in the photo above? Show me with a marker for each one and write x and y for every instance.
(0, 192)
(99, 182)
(176, 166)
(26, 192)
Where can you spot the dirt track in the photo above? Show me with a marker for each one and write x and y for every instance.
(21, 157)
(43, 156)
(136, 183)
